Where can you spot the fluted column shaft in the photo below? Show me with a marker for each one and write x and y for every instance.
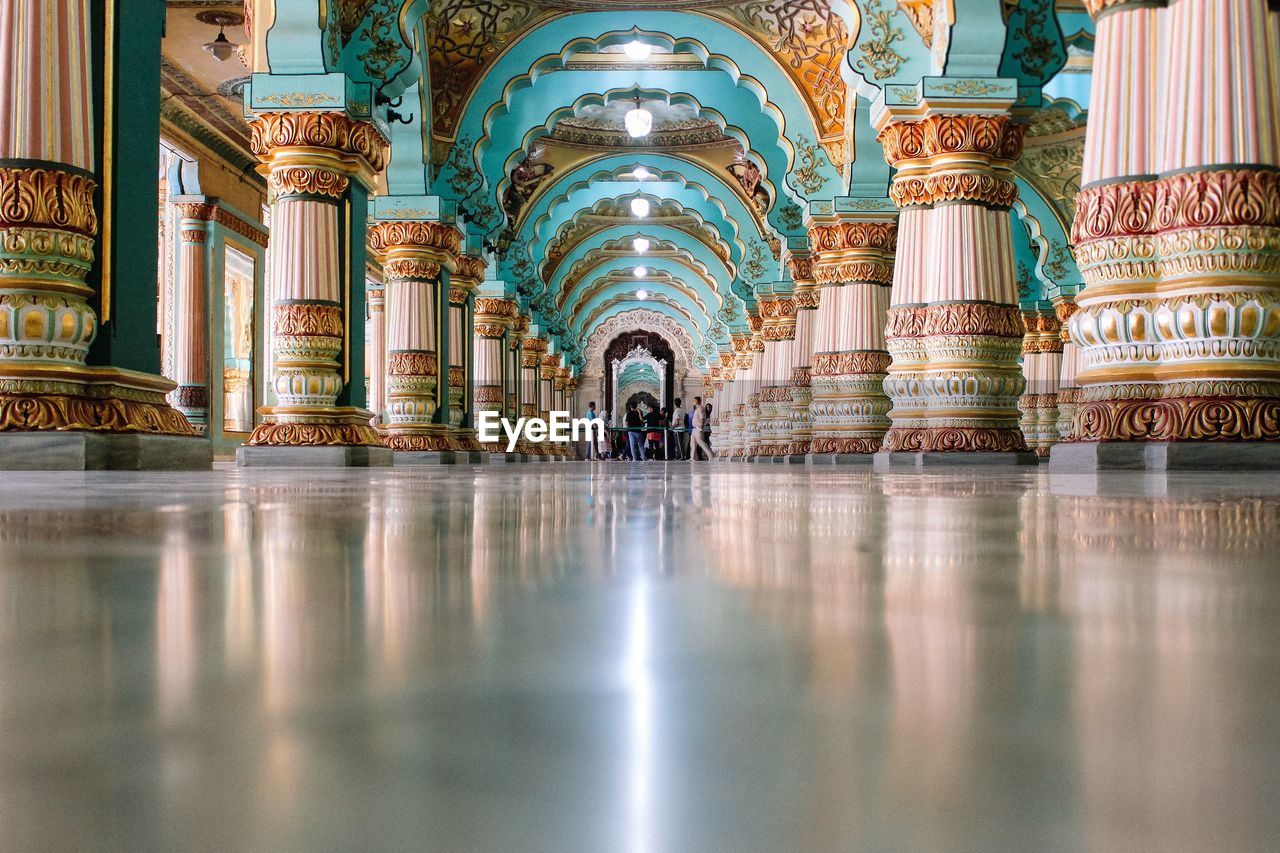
(1177, 225)
(954, 327)
(853, 267)
(808, 299)
(779, 333)
(1042, 367)
(191, 323)
(462, 287)
(1068, 385)
(376, 357)
(311, 158)
(416, 256)
(494, 321)
(49, 174)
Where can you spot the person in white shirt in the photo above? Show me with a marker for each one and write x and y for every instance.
(679, 422)
(592, 453)
(699, 437)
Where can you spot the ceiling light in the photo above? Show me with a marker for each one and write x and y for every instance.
(639, 121)
(642, 294)
(637, 51)
(641, 245)
(640, 272)
(221, 48)
(640, 207)
(641, 173)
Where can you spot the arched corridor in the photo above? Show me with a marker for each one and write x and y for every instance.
(676, 425)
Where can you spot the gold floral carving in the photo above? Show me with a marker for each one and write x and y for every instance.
(920, 14)
(801, 268)
(457, 377)
(32, 197)
(445, 239)
(470, 271)
(318, 319)
(808, 299)
(32, 412)
(955, 439)
(841, 236)
(307, 180)
(411, 269)
(315, 435)
(490, 330)
(1181, 419)
(874, 272)
(972, 318)
(412, 363)
(934, 140)
(905, 322)
(332, 131)
(827, 444)
(493, 307)
(853, 363)
(1199, 199)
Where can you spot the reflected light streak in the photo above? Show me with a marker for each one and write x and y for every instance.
(639, 683)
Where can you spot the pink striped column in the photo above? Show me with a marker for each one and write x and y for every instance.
(376, 357)
(807, 298)
(1042, 368)
(1177, 227)
(494, 322)
(414, 255)
(311, 158)
(191, 324)
(463, 283)
(954, 327)
(853, 265)
(773, 436)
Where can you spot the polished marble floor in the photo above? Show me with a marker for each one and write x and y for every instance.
(639, 658)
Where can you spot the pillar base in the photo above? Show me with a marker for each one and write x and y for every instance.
(839, 458)
(334, 456)
(96, 451)
(1083, 456)
(298, 427)
(428, 438)
(932, 459)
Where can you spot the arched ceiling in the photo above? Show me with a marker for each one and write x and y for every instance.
(509, 116)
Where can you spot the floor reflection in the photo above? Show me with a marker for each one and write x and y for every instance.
(566, 658)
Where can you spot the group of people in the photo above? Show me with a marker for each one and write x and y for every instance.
(648, 432)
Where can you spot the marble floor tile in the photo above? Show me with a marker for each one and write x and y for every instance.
(646, 659)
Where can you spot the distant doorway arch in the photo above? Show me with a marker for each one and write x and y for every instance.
(640, 345)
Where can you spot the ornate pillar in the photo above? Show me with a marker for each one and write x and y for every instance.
(49, 227)
(462, 287)
(954, 327)
(753, 381)
(191, 316)
(532, 350)
(1042, 368)
(376, 358)
(495, 319)
(807, 298)
(415, 256)
(1068, 386)
(1177, 235)
(515, 380)
(778, 311)
(853, 268)
(311, 159)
